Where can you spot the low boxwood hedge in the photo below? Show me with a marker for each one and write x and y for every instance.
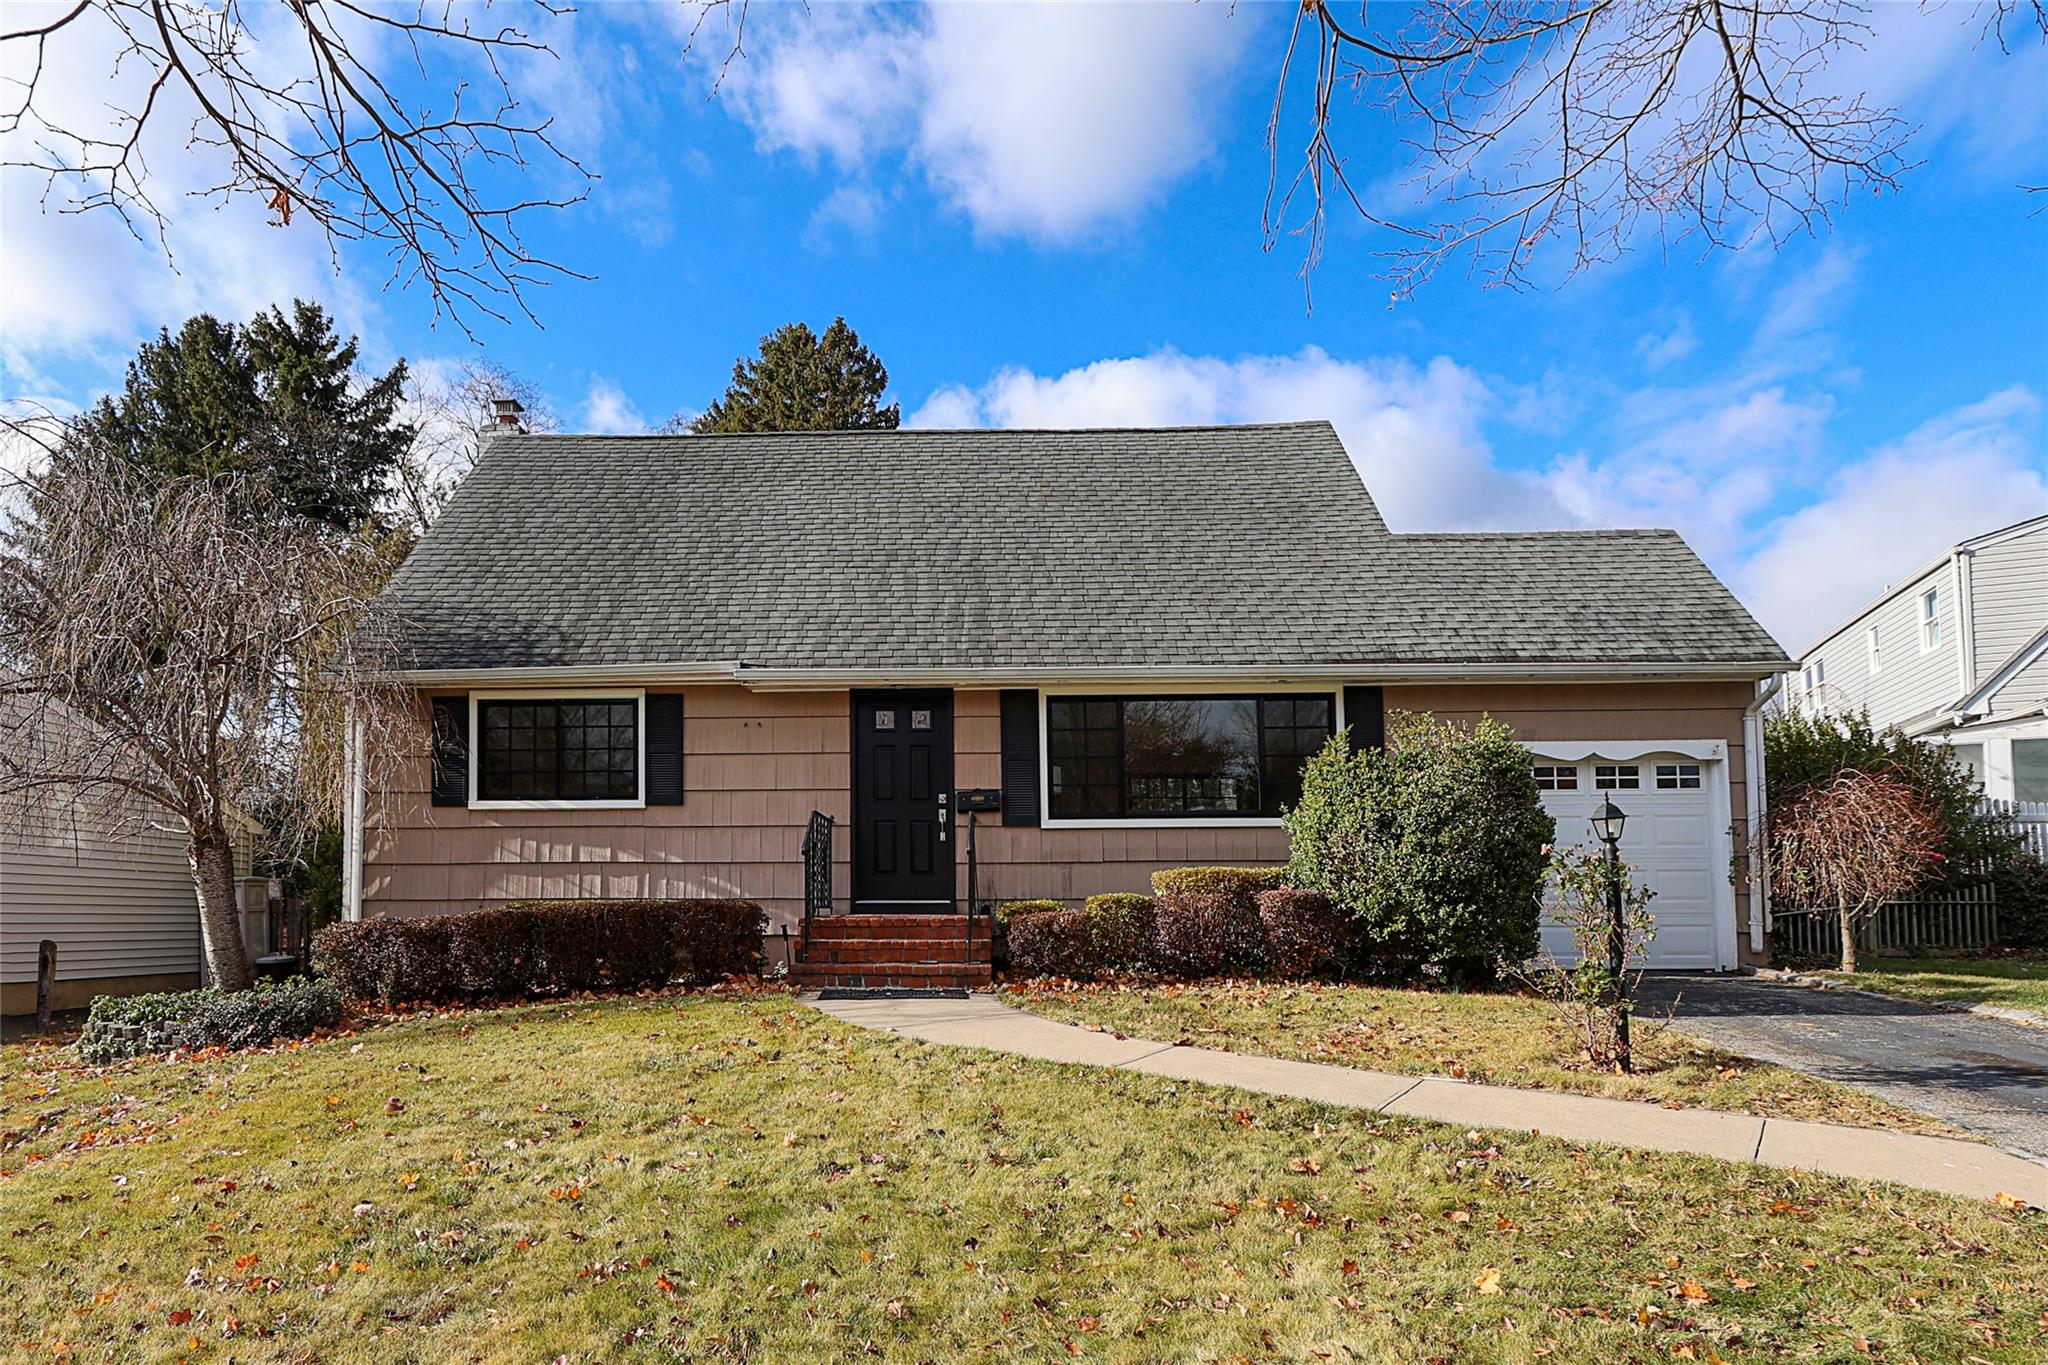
(1241, 884)
(135, 1025)
(530, 949)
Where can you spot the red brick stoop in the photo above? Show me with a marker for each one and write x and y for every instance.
(915, 951)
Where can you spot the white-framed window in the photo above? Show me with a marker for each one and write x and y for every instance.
(1617, 777)
(1930, 619)
(1971, 756)
(1815, 675)
(1678, 776)
(1557, 777)
(1181, 756)
(558, 750)
(1874, 649)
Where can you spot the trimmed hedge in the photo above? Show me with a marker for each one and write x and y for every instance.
(538, 948)
(1307, 937)
(1210, 934)
(1054, 943)
(1126, 929)
(1014, 910)
(1242, 884)
(135, 1025)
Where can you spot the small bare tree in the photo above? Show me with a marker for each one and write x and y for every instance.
(1592, 999)
(449, 408)
(1850, 844)
(174, 651)
(322, 120)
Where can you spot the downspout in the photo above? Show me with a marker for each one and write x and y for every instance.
(1753, 780)
(352, 825)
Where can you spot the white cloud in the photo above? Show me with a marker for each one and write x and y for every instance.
(1880, 517)
(608, 412)
(1414, 431)
(851, 212)
(1678, 343)
(1041, 121)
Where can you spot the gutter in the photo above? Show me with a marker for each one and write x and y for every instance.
(1753, 786)
(773, 678)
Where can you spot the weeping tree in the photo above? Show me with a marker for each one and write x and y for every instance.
(172, 653)
(1848, 845)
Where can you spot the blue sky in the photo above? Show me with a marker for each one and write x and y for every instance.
(1051, 217)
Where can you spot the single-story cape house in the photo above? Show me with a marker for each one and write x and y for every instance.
(649, 660)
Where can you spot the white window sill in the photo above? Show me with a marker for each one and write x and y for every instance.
(1168, 822)
(557, 805)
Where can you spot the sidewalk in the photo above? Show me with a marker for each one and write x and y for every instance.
(1932, 1163)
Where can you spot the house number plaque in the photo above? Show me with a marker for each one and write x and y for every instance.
(920, 720)
(885, 720)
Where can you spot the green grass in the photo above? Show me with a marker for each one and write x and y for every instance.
(2019, 983)
(705, 1178)
(1495, 1038)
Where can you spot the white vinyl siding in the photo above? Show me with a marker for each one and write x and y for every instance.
(1910, 682)
(2009, 605)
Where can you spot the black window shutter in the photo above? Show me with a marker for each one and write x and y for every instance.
(451, 751)
(1020, 756)
(1365, 717)
(664, 749)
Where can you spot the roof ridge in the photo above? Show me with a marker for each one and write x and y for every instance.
(834, 432)
(1587, 531)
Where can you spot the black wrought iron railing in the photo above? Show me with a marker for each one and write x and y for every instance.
(817, 850)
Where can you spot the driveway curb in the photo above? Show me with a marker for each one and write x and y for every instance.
(1822, 983)
(1947, 1165)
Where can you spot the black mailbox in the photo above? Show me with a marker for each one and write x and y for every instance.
(983, 799)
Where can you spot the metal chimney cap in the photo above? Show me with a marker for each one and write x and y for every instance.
(507, 411)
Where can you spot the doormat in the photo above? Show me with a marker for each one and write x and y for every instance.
(891, 993)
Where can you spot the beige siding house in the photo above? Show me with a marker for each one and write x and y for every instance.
(1956, 654)
(646, 665)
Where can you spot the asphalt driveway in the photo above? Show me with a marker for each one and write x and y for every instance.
(1981, 1074)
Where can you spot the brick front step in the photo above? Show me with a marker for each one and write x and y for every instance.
(896, 927)
(897, 950)
(914, 975)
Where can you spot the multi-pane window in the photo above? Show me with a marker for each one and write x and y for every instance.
(1169, 756)
(1678, 776)
(1930, 618)
(558, 750)
(1617, 777)
(1874, 648)
(1555, 777)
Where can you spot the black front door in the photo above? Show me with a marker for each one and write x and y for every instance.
(902, 801)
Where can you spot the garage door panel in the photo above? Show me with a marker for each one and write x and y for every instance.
(1674, 843)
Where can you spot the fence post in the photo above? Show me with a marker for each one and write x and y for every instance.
(46, 981)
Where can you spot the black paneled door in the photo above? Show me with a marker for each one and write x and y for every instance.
(902, 801)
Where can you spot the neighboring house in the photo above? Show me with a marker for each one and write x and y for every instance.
(648, 660)
(1955, 654)
(111, 886)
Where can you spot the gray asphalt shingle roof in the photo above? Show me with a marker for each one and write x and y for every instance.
(1207, 547)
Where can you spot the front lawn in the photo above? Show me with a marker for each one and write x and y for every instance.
(1496, 1038)
(2019, 983)
(715, 1178)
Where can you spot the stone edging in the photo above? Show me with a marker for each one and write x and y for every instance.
(2027, 1018)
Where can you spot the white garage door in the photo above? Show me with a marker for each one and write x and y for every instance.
(1674, 838)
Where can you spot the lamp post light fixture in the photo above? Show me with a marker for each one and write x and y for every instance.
(1608, 822)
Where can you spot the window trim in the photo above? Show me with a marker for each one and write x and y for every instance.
(637, 695)
(1930, 620)
(1047, 820)
(1873, 648)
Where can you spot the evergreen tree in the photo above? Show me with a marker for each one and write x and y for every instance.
(803, 382)
(278, 398)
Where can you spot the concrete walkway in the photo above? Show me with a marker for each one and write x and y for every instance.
(1945, 1164)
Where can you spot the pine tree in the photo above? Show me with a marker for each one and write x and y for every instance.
(279, 398)
(803, 382)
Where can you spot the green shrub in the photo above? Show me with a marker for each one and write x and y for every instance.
(134, 1025)
(2020, 883)
(1242, 884)
(528, 949)
(1125, 926)
(1011, 910)
(1209, 934)
(1433, 846)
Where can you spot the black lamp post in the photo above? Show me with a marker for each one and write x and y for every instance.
(1607, 826)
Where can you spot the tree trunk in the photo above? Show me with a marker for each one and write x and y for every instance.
(1850, 927)
(220, 918)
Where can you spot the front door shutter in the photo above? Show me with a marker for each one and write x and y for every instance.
(664, 749)
(1365, 717)
(1020, 756)
(451, 751)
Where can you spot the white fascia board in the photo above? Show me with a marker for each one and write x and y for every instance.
(800, 679)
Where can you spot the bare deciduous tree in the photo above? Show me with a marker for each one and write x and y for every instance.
(1849, 845)
(449, 407)
(329, 126)
(175, 659)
